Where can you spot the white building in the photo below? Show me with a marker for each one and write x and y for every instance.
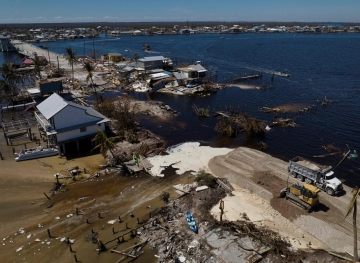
(67, 124)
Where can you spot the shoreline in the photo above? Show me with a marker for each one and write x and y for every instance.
(110, 196)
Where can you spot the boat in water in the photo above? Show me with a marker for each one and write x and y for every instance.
(191, 222)
(146, 47)
(34, 153)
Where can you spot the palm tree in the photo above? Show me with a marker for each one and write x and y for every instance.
(72, 59)
(104, 143)
(37, 66)
(353, 208)
(90, 69)
(136, 57)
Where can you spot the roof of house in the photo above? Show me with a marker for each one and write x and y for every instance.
(161, 75)
(55, 103)
(115, 54)
(195, 67)
(180, 75)
(153, 58)
(198, 68)
(28, 61)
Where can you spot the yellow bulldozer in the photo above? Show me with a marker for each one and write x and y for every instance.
(306, 196)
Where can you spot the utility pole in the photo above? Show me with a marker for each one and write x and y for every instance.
(47, 45)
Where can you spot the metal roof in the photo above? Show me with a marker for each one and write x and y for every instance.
(153, 58)
(52, 105)
(55, 103)
(115, 54)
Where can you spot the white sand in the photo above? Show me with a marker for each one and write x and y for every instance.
(188, 156)
(260, 212)
(326, 233)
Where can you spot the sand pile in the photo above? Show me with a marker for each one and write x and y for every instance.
(188, 156)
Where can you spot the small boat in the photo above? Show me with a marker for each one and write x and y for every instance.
(146, 47)
(281, 74)
(191, 222)
(34, 153)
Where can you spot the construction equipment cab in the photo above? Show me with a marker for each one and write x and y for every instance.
(305, 196)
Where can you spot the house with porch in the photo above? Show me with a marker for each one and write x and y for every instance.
(68, 125)
(191, 73)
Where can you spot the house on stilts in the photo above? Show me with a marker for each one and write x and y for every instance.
(68, 125)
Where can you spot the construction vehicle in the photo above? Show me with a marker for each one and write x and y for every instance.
(319, 175)
(305, 196)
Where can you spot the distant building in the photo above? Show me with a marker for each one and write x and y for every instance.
(113, 57)
(155, 62)
(195, 71)
(5, 44)
(189, 74)
(67, 124)
(160, 79)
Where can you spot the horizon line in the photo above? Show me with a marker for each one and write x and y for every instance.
(195, 21)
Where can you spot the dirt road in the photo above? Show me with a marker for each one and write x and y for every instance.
(265, 176)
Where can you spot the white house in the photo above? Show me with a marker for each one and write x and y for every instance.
(196, 71)
(67, 124)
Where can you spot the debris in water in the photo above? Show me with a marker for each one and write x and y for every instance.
(19, 249)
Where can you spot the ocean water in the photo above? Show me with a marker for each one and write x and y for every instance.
(322, 65)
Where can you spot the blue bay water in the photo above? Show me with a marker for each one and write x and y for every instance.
(320, 65)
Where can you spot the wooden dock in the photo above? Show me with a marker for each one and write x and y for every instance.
(246, 77)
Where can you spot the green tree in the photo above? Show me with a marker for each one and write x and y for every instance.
(104, 143)
(8, 85)
(72, 59)
(353, 208)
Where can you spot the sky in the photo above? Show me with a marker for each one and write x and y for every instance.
(56, 11)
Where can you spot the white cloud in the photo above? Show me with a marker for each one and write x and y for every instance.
(84, 18)
(40, 18)
(111, 17)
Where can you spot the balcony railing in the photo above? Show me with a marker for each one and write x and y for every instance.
(43, 122)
